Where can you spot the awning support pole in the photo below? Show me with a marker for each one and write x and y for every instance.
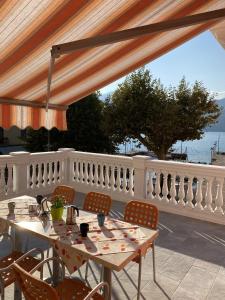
(50, 71)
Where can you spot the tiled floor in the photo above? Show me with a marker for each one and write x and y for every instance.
(190, 261)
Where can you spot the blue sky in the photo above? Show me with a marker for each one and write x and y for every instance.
(201, 58)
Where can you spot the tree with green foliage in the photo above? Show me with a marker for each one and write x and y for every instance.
(85, 123)
(37, 140)
(143, 109)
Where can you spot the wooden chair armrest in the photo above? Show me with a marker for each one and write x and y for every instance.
(38, 250)
(24, 256)
(96, 289)
(47, 260)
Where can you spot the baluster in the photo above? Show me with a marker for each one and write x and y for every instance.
(48, 173)
(77, 171)
(124, 180)
(9, 181)
(118, 179)
(219, 196)
(81, 171)
(150, 187)
(34, 176)
(157, 187)
(73, 170)
(198, 196)
(54, 173)
(2, 183)
(131, 181)
(112, 179)
(165, 188)
(51, 178)
(208, 196)
(45, 174)
(181, 192)
(59, 171)
(91, 173)
(86, 173)
(190, 192)
(96, 174)
(173, 192)
(107, 176)
(102, 175)
(39, 175)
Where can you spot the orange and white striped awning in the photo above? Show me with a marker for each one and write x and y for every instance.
(29, 28)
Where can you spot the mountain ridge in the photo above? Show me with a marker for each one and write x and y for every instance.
(220, 125)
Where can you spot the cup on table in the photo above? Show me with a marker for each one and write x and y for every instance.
(84, 228)
(11, 207)
(101, 219)
(39, 198)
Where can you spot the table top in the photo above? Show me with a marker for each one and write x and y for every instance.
(46, 229)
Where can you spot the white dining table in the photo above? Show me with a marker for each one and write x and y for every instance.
(43, 228)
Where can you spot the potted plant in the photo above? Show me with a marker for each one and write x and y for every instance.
(57, 207)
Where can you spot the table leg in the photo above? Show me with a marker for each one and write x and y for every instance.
(107, 275)
(17, 245)
(55, 268)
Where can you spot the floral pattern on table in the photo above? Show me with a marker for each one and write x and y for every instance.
(114, 237)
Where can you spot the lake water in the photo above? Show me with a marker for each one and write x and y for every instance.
(197, 150)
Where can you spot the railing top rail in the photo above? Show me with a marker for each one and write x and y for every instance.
(186, 168)
(47, 154)
(6, 159)
(101, 156)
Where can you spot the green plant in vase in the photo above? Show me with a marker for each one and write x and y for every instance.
(57, 207)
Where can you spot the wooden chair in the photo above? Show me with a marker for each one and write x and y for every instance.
(97, 203)
(33, 288)
(146, 215)
(27, 261)
(66, 191)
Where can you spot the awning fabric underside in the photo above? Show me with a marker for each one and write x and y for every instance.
(29, 28)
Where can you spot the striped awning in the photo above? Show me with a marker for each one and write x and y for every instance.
(219, 33)
(29, 28)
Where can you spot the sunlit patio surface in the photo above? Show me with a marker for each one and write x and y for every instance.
(190, 261)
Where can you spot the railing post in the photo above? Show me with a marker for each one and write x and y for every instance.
(139, 165)
(20, 172)
(67, 166)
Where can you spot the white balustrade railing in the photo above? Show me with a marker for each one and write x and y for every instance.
(105, 173)
(187, 189)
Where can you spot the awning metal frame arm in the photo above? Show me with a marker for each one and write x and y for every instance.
(137, 32)
(118, 36)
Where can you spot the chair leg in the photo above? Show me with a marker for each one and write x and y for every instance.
(48, 253)
(139, 278)
(2, 291)
(86, 270)
(153, 261)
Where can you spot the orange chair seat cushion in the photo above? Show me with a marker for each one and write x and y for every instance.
(74, 289)
(28, 263)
